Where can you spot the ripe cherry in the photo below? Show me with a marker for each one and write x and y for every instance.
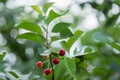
(39, 64)
(47, 71)
(61, 52)
(55, 61)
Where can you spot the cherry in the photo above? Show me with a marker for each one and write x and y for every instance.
(47, 71)
(61, 52)
(39, 64)
(55, 61)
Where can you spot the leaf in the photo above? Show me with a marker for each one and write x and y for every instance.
(52, 15)
(41, 49)
(117, 2)
(54, 38)
(34, 76)
(2, 55)
(31, 27)
(65, 33)
(41, 17)
(95, 36)
(44, 51)
(2, 66)
(32, 37)
(115, 45)
(75, 52)
(88, 49)
(70, 64)
(60, 70)
(37, 9)
(118, 25)
(64, 45)
(13, 74)
(47, 6)
(115, 66)
(76, 36)
(86, 38)
(114, 31)
(67, 45)
(60, 26)
(100, 37)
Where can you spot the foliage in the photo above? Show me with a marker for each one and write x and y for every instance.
(11, 74)
(61, 27)
(95, 53)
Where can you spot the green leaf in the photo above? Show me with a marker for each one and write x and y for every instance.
(114, 31)
(100, 37)
(65, 33)
(2, 55)
(47, 6)
(54, 38)
(67, 45)
(31, 27)
(41, 49)
(13, 74)
(115, 45)
(86, 38)
(52, 15)
(32, 37)
(70, 64)
(44, 51)
(64, 45)
(76, 36)
(34, 76)
(75, 52)
(60, 26)
(2, 66)
(61, 70)
(37, 9)
(88, 49)
(94, 36)
(117, 2)
(41, 17)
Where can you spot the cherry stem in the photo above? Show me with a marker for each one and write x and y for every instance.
(48, 46)
(53, 77)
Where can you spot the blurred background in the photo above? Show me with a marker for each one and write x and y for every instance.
(99, 19)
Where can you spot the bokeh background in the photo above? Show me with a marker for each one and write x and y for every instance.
(99, 19)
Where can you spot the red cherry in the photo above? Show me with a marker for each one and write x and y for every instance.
(61, 52)
(55, 61)
(39, 64)
(47, 71)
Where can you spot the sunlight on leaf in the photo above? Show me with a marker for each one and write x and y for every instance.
(37, 9)
(2, 55)
(52, 16)
(47, 6)
(60, 26)
(32, 37)
(31, 27)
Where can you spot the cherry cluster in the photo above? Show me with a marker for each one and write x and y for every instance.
(55, 61)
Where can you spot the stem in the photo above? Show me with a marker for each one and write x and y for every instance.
(48, 46)
(53, 77)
